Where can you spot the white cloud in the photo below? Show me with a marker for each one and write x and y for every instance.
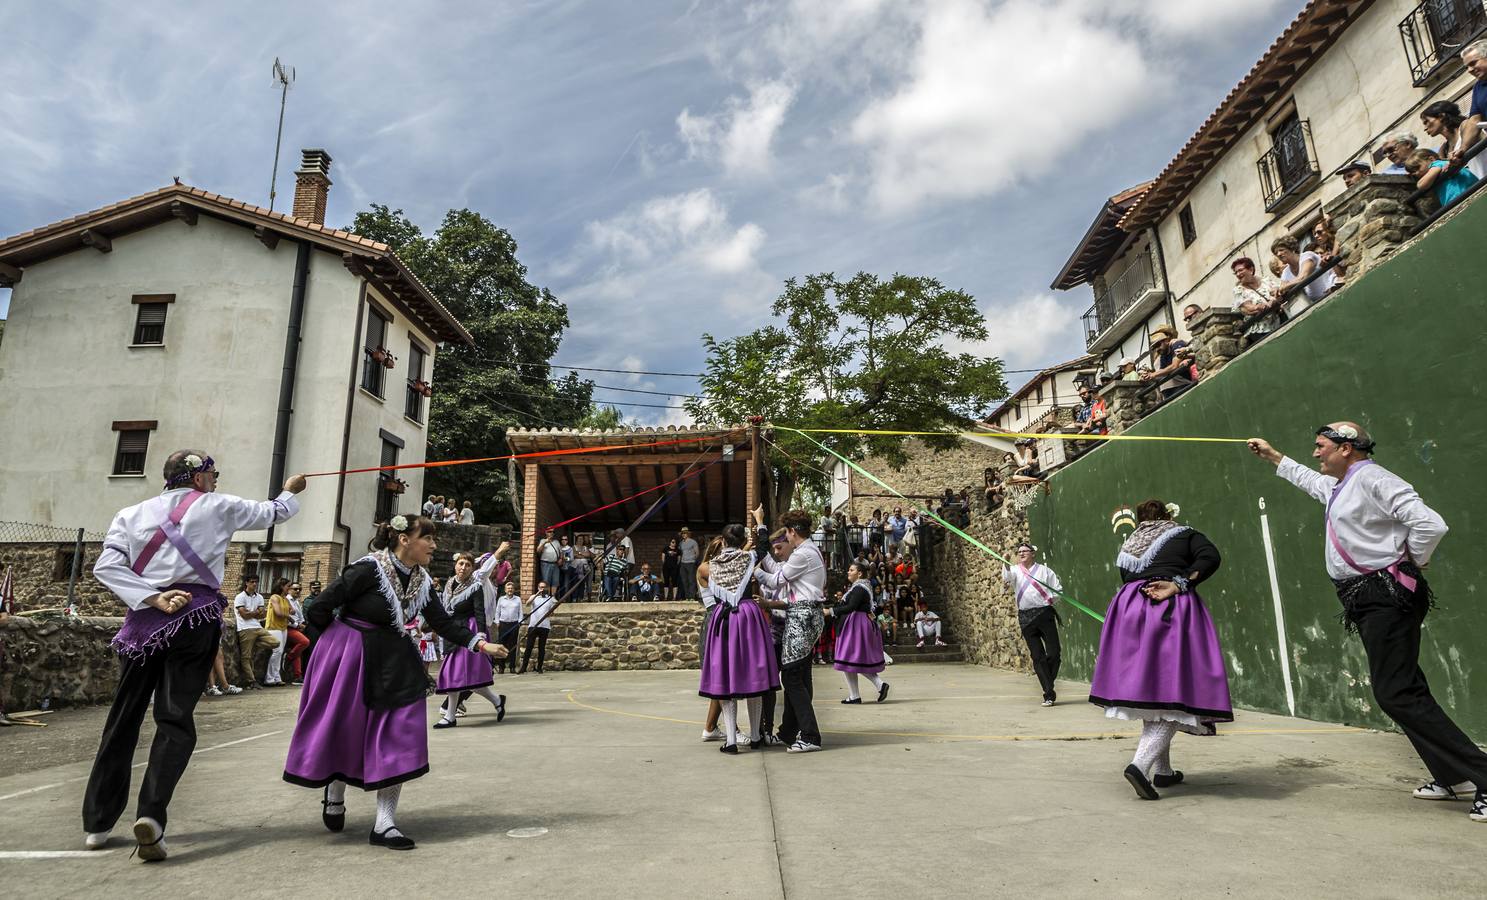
(742, 134)
(1035, 330)
(1209, 20)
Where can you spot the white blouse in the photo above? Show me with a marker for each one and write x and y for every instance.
(800, 579)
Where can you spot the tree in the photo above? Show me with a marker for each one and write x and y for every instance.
(504, 381)
(862, 354)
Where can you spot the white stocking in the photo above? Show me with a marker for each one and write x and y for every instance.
(756, 706)
(490, 695)
(852, 692)
(875, 681)
(335, 795)
(447, 711)
(387, 807)
(1164, 759)
(730, 721)
(1156, 739)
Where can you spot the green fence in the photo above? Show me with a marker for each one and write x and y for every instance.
(1401, 352)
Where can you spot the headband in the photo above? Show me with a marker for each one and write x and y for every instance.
(195, 465)
(1346, 434)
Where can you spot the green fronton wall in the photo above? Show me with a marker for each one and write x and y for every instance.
(1400, 351)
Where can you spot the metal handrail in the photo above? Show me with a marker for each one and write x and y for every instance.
(1288, 165)
(1428, 50)
(1470, 154)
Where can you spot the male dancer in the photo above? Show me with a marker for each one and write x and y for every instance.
(164, 558)
(1035, 587)
(1380, 534)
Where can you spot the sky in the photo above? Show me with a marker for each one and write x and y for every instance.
(664, 166)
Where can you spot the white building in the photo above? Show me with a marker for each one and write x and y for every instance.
(168, 321)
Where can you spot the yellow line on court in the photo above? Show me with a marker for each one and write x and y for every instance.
(1077, 736)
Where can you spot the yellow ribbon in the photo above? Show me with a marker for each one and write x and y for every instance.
(1018, 434)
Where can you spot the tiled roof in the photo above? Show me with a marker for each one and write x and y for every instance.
(1076, 363)
(1306, 38)
(528, 440)
(1103, 239)
(57, 238)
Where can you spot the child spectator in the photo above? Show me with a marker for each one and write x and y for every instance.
(926, 624)
(1429, 170)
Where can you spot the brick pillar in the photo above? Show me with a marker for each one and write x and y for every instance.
(312, 186)
(1124, 409)
(531, 514)
(1215, 338)
(1372, 219)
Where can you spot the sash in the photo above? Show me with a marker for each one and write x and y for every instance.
(733, 598)
(1029, 579)
(1406, 580)
(169, 530)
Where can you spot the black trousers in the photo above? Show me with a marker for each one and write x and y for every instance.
(174, 676)
(539, 635)
(767, 707)
(507, 634)
(799, 718)
(1391, 638)
(1040, 630)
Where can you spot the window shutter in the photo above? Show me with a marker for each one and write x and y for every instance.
(152, 313)
(134, 441)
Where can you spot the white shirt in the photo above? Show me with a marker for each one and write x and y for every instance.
(1377, 517)
(508, 608)
(542, 607)
(1026, 588)
(800, 579)
(208, 526)
(925, 618)
(429, 507)
(467, 516)
(1314, 291)
(627, 549)
(250, 602)
(549, 551)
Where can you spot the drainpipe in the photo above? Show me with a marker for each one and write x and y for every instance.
(1156, 243)
(286, 379)
(356, 352)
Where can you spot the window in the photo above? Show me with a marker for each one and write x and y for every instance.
(387, 497)
(1185, 222)
(1040, 393)
(149, 322)
(62, 562)
(413, 406)
(374, 351)
(129, 459)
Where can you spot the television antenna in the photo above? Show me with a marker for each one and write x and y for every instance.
(283, 78)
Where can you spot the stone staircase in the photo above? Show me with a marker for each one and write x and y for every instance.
(929, 653)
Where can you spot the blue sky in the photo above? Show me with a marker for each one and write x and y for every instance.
(664, 166)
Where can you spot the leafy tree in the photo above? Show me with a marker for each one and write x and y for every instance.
(864, 353)
(602, 418)
(502, 382)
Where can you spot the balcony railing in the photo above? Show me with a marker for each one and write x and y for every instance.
(1288, 166)
(1135, 282)
(1435, 32)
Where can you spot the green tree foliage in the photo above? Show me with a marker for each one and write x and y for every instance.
(504, 381)
(863, 353)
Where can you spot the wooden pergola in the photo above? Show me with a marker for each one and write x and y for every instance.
(557, 488)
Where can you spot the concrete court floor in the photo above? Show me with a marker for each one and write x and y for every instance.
(597, 785)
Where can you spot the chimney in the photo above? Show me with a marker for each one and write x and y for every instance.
(312, 185)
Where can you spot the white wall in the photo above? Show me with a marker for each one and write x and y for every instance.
(1058, 388)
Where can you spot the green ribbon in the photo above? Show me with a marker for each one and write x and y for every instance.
(949, 527)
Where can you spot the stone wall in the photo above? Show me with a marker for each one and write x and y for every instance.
(64, 661)
(610, 636)
(40, 577)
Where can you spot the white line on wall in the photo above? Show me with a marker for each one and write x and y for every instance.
(1280, 616)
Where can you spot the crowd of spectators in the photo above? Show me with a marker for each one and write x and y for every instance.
(450, 511)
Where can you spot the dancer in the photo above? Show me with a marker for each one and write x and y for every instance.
(164, 558)
(1159, 659)
(801, 582)
(1380, 534)
(859, 645)
(739, 663)
(1035, 586)
(423, 637)
(361, 713)
(539, 626)
(779, 549)
(710, 730)
(465, 672)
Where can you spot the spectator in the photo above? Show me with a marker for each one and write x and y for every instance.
(248, 614)
(1276, 267)
(508, 624)
(539, 626)
(1430, 171)
(994, 492)
(671, 569)
(643, 585)
(1398, 147)
(1324, 242)
(926, 624)
(1256, 296)
(565, 568)
(1172, 370)
(1026, 462)
(894, 529)
(623, 542)
(276, 623)
(467, 514)
(616, 567)
(856, 536)
(1474, 56)
(1092, 414)
(1127, 371)
(433, 503)
(1355, 171)
(550, 558)
(1300, 266)
(295, 633)
(583, 565)
(690, 554)
(910, 542)
(875, 529)
(451, 512)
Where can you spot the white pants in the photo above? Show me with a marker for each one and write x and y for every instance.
(272, 675)
(927, 630)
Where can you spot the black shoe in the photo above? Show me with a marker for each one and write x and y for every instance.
(883, 692)
(445, 723)
(755, 745)
(333, 821)
(728, 748)
(1144, 790)
(1161, 780)
(853, 701)
(501, 708)
(397, 841)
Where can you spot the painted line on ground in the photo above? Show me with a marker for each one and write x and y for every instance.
(138, 765)
(51, 854)
(1075, 736)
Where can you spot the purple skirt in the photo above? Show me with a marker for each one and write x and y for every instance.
(465, 670)
(337, 738)
(859, 645)
(1161, 656)
(740, 660)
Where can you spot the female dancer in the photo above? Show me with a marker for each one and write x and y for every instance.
(739, 662)
(801, 583)
(859, 645)
(710, 730)
(465, 672)
(1159, 658)
(361, 713)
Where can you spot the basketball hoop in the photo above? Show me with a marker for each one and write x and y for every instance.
(1021, 496)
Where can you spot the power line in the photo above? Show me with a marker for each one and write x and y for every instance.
(556, 365)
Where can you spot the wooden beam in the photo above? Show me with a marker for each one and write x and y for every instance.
(604, 459)
(99, 242)
(183, 212)
(10, 275)
(270, 239)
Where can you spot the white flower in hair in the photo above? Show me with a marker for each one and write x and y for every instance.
(399, 523)
(1346, 431)
(1174, 510)
(193, 461)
